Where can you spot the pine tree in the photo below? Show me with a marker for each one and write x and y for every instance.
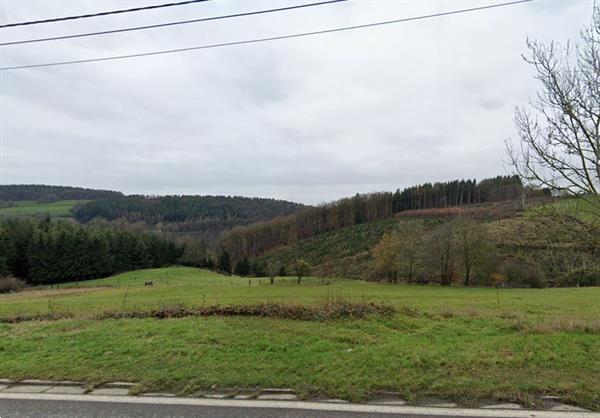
(242, 267)
(224, 263)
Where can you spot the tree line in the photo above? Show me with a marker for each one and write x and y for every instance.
(257, 238)
(45, 251)
(44, 193)
(457, 193)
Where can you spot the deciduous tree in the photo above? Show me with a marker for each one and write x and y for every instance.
(386, 255)
(441, 252)
(472, 244)
(410, 246)
(558, 134)
(301, 268)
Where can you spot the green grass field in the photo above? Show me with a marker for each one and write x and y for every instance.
(455, 343)
(61, 208)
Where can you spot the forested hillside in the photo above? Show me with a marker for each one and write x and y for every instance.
(255, 239)
(157, 209)
(198, 218)
(51, 251)
(483, 245)
(43, 193)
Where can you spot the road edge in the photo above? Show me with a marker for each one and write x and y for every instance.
(303, 405)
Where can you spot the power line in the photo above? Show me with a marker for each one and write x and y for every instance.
(162, 25)
(272, 38)
(112, 12)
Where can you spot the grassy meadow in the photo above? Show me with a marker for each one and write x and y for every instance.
(462, 344)
(61, 208)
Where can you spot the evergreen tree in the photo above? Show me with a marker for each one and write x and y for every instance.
(224, 263)
(258, 268)
(242, 267)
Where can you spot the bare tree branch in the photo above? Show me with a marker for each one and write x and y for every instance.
(559, 148)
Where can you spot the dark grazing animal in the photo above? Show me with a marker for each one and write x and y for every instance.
(150, 283)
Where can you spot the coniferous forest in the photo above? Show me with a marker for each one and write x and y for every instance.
(46, 251)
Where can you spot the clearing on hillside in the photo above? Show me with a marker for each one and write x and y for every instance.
(61, 208)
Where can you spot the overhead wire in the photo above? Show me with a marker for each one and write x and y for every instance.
(107, 13)
(266, 39)
(162, 25)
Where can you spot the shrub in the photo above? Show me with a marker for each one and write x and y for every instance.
(10, 284)
(523, 274)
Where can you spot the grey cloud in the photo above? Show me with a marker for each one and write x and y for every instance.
(491, 103)
(311, 119)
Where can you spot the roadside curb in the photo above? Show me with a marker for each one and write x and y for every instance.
(33, 387)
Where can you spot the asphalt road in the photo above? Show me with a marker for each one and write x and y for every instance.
(10, 408)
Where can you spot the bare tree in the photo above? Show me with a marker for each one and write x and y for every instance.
(441, 252)
(386, 257)
(472, 244)
(559, 142)
(410, 248)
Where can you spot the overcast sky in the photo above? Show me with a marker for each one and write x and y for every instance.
(310, 119)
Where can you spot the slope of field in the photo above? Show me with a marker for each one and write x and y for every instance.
(187, 285)
(456, 343)
(62, 208)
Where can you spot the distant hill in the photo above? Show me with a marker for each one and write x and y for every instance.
(202, 218)
(158, 209)
(48, 194)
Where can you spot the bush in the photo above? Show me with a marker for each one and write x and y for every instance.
(10, 284)
(523, 274)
